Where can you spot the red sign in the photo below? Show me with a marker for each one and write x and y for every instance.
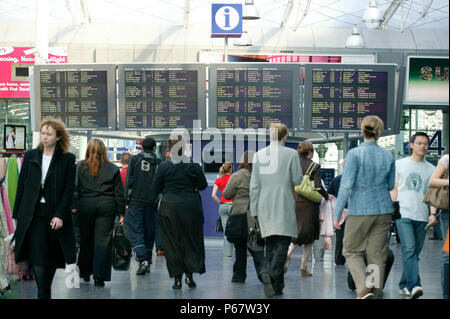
(11, 84)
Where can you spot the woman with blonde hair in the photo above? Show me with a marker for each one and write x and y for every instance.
(101, 199)
(368, 177)
(224, 204)
(44, 235)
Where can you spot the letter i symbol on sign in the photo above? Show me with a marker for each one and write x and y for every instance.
(227, 18)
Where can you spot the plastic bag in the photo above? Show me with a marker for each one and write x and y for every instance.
(326, 213)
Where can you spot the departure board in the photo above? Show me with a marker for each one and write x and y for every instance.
(254, 96)
(82, 96)
(161, 96)
(339, 96)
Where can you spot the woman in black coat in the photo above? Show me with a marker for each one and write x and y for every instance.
(101, 199)
(181, 213)
(44, 234)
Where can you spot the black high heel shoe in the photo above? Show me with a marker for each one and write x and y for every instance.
(99, 282)
(177, 284)
(189, 281)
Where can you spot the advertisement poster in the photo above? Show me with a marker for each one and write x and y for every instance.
(427, 81)
(16, 57)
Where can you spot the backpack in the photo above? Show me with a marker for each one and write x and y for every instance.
(306, 189)
(144, 169)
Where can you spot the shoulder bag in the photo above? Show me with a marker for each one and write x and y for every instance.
(437, 196)
(306, 189)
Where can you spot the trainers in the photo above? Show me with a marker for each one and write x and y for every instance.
(268, 288)
(404, 292)
(368, 294)
(144, 268)
(416, 292)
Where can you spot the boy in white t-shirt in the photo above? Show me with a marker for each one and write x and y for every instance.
(412, 175)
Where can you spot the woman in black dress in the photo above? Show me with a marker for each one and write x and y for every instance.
(101, 199)
(44, 234)
(181, 213)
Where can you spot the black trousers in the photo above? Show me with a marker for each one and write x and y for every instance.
(276, 252)
(96, 222)
(240, 264)
(339, 259)
(44, 277)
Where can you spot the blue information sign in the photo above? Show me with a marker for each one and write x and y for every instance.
(226, 20)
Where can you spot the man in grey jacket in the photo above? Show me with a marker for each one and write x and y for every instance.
(276, 170)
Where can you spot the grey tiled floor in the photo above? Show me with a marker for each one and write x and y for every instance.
(328, 281)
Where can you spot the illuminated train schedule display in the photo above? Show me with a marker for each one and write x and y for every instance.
(161, 96)
(339, 96)
(82, 96)
(254, 96)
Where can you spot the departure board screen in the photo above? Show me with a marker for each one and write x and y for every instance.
(338, 97)
(161, 96)
(254, 97)
(82, 98)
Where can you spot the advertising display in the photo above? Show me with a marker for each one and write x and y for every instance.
(14, 63)
(15, 137)
(427, 80)
(254, 95)
(82, 96)
(339, 96)
(161, 96)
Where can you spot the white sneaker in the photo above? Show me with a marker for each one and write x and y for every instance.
(404, 292)
(416, 292)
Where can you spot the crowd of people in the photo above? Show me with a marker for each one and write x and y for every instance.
(159, 204)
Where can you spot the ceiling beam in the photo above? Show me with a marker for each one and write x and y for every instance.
(393, 7)
(187, 9)
(287, 13)
(85, 10)
(305, 13)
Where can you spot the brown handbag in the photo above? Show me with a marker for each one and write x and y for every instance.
(437, 196)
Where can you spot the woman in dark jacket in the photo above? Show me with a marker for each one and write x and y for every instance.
(308, 222)
(238, 188)
(101, 199)
(44, 233)
(181, 213)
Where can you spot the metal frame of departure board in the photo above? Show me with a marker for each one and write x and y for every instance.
(213, 84)
(35, 84)
(201, 88)
(390, 69)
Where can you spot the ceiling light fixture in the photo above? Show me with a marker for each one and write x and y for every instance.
(244, 40)
(250, 12)
(355, 40)
(372, 15)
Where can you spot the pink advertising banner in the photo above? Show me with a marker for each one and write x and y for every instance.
(12, 84)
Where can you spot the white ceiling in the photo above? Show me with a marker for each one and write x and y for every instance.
(321, 13)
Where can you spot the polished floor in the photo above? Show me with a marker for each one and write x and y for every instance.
(328, 280)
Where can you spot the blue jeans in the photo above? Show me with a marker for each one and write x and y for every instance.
(224, 211)
(444, 258)
(140, 227)
(412, 236)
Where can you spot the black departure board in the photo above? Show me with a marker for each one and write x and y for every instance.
(338, 97)
(83, 98)
(248, 96)
(161, 96)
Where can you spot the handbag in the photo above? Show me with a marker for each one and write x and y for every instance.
(396, 213)
(236, 228)
(437, 196)
(219, 226)
(255, 240)
(11, 267)
(121, 249)
(306, 189)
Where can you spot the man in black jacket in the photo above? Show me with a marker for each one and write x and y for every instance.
(141, 216)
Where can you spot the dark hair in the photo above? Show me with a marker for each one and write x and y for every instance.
(246, 160)
(174, 141)
(148, 144)
(304, 148)
(413, 138)
(125, 158)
